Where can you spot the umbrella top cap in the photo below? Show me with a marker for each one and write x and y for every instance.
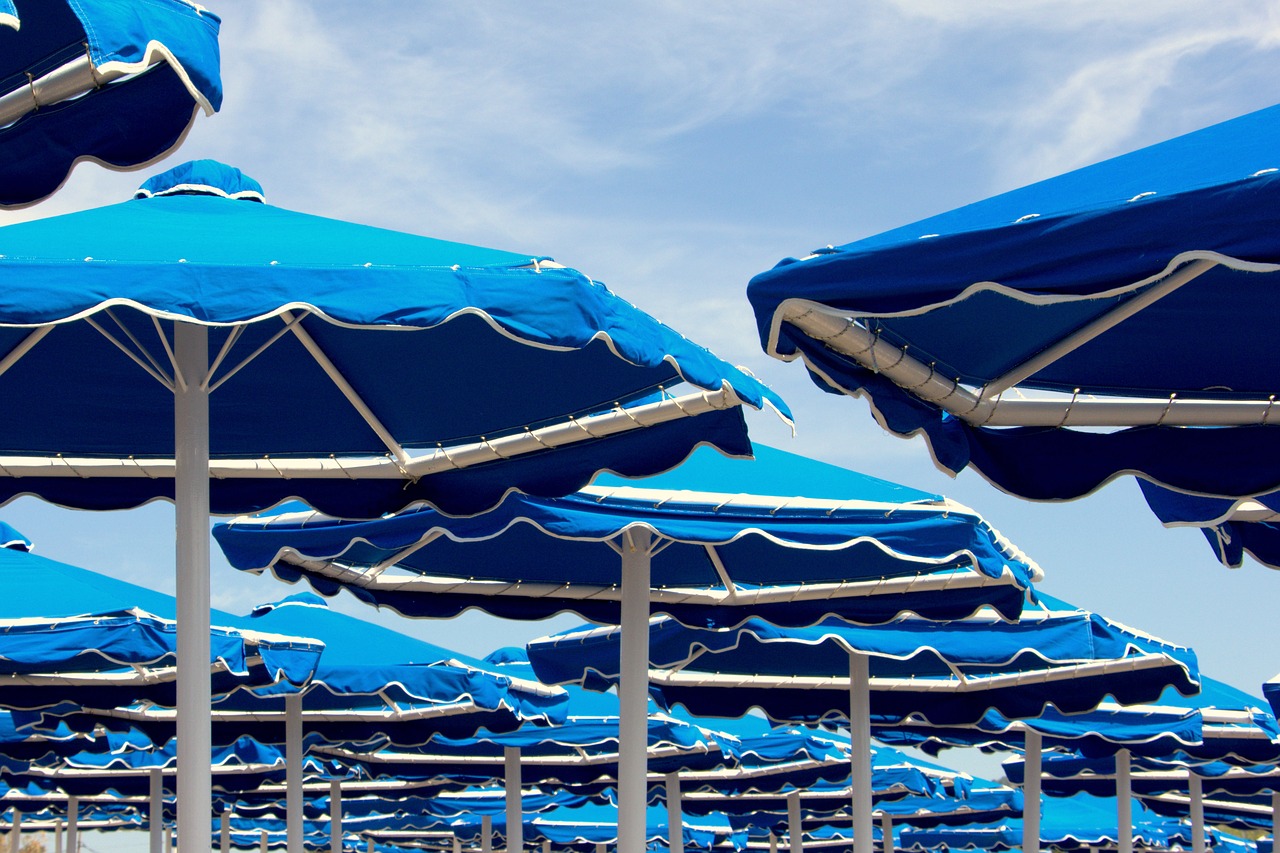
(203, 177)
(302, 599)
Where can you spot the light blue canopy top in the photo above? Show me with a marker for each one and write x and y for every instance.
(797, 539)
(68, 624)
(486, 361)
(945, 673)
(147, 69)
(975, 293)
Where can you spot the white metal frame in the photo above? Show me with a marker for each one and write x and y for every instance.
(992, 405)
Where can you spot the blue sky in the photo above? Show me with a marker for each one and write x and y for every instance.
(673, 150)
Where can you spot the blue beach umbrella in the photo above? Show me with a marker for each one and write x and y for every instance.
(114, 82)
(942, 673)
(780, 537)
(712, 542)
(193, 302)
(1064, 334)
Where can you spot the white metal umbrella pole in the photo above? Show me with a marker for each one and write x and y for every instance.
(57, 836)
(633, 692)
(1275, 814)
(191, 499)
(263, 841)
(15, 832)
(1032, 768)
(860, 746)
(155, 809)
(1124, 803)
(515, 806)
(795, 826)
(335, 816)
(73, 818)
(293, 795)
(886, 832)
(1195, 787)
(224, 831)
(486, 834)
(675, 815)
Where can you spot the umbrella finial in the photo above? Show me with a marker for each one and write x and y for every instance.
(203, 177)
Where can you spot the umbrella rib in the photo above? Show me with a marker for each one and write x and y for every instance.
(24, 347)
(348, 391)
(1091, 330)
(289, 323)
(730, 587)
(150, 371)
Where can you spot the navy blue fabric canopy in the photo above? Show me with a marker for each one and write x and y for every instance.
(580, 747)
(71, 637)
(1219, 723)
(115, 82)
(780, 537)
(1131, 294)
(944, 673)
(370, 683)
(1232, 526)
(305, 401)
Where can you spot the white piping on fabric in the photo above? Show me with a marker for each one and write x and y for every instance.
(720, 500)
(205, 189)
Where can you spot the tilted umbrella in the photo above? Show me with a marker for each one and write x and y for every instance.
(1064, 334)
(179, 345)
(116, 83)
(944, 673)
